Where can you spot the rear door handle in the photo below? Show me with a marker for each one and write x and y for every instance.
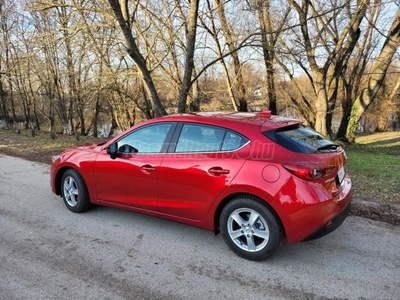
(218, 171)
(147, 169)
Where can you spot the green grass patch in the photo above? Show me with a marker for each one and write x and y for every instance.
(374, 167)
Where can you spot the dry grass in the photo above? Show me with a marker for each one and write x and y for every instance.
(41, 147)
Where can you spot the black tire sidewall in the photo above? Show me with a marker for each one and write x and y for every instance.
(275, 227)
(83, 202)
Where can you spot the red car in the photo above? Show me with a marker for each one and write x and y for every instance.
(253, 177)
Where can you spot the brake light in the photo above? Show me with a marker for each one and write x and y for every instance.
(310, 172)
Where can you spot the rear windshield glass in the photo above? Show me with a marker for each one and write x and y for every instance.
(301, 139)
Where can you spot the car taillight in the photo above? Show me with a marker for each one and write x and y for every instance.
(310, 172)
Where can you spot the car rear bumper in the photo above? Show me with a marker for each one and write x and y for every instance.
(320, 216)
(330, 225)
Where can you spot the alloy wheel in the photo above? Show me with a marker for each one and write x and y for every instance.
(248, 229)
(71, 191)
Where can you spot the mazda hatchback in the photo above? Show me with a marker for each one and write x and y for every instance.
(253, 177)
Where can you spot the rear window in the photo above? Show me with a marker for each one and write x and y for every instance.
(301, 139)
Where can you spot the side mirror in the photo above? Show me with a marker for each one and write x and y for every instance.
(112, 150)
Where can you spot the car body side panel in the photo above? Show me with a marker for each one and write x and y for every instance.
(187, 184)
(124, 180)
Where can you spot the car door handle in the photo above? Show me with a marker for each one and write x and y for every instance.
(217, 171)
(147, 169)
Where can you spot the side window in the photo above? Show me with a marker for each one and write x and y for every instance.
(202, 138)
(149, 139)
(199, 138)
(233, 141)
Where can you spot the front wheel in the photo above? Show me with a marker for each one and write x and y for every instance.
(250, 228)
(74, 191)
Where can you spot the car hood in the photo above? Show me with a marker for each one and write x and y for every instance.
(90, 147)
(79, 151)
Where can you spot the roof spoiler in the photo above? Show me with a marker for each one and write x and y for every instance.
(264, 114)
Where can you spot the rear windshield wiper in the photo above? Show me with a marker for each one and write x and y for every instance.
(328, 147)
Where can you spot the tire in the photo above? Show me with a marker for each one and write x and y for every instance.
(74, 191)
(250, 228)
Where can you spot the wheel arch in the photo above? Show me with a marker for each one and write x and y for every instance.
(233, 196)
(60, 174)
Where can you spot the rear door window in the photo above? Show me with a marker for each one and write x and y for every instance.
(301, 139)
(203, 138)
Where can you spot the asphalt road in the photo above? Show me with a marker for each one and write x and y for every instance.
(48, 252)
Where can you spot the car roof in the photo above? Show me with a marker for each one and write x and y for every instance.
(235, 120)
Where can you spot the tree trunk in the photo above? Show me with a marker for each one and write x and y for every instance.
(321, 104)
(189, 63)
(374, 83)
(214, 34)
(395, 88)
(196, 97)
(3, 103)
(134, 53)
(269, 37)
(346, 108)
(241, 90)
(325, 78)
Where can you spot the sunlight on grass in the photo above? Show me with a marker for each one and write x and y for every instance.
(374, 166)
(382, 139)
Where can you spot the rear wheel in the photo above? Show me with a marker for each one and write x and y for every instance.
(74, 191)
(250, 228)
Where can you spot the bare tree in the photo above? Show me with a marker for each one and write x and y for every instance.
(46, 65)
(212, 30)
(6, 24)
(375, 80)
(63, 63)
(272, 20)
(355, 70)
(3, 94)
(232, 46)
(325, 75)
(189, 60)
(125, 19)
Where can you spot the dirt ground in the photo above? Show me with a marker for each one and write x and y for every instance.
(42, 146)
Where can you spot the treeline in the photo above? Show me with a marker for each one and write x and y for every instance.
(69, 65)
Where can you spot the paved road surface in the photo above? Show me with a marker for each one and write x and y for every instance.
(47, 252)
